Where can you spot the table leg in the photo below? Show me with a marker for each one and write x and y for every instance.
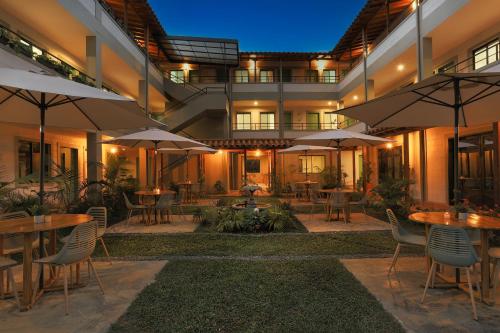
(27, 271)
(1, 273)
(428, 257)
(485, 266)
(52, 249)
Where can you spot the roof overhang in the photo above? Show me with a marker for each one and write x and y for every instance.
(248, 143)
(201, 50)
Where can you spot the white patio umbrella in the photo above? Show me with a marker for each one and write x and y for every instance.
(341, 138)
(154, 138)
(191, 151)
(305, 149)
(451, 100)
(46, 100)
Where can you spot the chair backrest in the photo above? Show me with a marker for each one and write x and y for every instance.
(80, 244)
(339, 200)
(13, 241)
(128, 204)
(397, 229)
(165, 201)
(451, 246)
(100, 215)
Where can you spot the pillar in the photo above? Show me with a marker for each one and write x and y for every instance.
(370, 90)
(281, 110)
(496, 162)
(142, 87)
(94, 69)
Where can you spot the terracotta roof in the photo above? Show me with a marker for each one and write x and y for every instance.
(248, 143)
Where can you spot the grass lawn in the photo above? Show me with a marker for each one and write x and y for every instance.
(255, 296)
(213, 244)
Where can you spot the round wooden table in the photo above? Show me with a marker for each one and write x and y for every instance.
(155, 195)
(28, 228)
(474, 221)
(307, 184)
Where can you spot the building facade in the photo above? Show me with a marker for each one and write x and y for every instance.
(249, 105)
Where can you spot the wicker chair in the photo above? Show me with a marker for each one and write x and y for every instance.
(452, 246)
(78, 248)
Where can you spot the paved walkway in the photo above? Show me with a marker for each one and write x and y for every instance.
(444, 310)
(89, 310)
(178, 224)
(359, 222)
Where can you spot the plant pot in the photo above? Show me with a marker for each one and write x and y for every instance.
(39, 219)
(463, 216)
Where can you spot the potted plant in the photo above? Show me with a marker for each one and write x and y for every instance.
(4, 36)
(39, 212)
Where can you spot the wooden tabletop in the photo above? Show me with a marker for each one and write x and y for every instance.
(307, 182)
(335, 190)
(473, 220)
(185, 183)
(27, 224)
(154, 193)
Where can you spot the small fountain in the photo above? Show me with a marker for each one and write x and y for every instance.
(250, 202)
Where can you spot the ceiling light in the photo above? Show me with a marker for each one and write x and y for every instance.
(185, 67)
(389, 145)
(255, 103)
(401, 67)
(113, 150)
(329, 103)
(355, 97)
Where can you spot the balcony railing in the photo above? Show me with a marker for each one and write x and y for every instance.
(255, 126)
(24, 47)
(207, 79)
(347, 122)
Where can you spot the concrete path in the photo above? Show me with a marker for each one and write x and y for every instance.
(89, 310)
(444, 310)
(359, 222)
(178, 224)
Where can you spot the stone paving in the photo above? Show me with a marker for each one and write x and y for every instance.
(444, 310)
(178, 224)
(358, 222)
(89, 310)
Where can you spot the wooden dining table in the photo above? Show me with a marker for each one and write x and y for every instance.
(307, 186)
(152, 193)
(330, 192)
(29, 229)
(474, 221)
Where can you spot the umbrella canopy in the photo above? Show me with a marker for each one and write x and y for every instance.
(191, 151)
(66, 103)
(301, 148)
(341, 138)
(154, 138)
(458, 99)
(431, 102)
(305, 149)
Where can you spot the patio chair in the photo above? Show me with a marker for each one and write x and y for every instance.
(451, 246)
(167, 203)
(100, 215)
(494, 254)
(78, 248)
(14, 243)
(299, 190)
(195, 192)
(339, 201)
(363, 202)
(6, 265)
(403, 238)
(132, 207)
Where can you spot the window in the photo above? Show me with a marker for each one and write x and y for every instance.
(329, 76)
(252, 166)
(177, 76)
(243, 121)
(311, 75)
(486, 54)
(194, 76)
(266, 120)
(390, 163)
(312, 121)
(28, 155)
(287, 74)
(331, 120)
(241, 76)
(312, 163)
(266, 76)
(449, 67)
(288, 123)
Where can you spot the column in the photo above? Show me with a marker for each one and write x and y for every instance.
(142, 87)
(281, 111)
(370, 90)
(496, 162)
(93, 67)
(229, 106)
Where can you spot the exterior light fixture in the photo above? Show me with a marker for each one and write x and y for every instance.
(414, 5)
(258, 153)
(329, 103)
(389, 145)
(113, 150)
(185, 67)
(355, 97)
(220, 151)
(401, 67)
(255, 103)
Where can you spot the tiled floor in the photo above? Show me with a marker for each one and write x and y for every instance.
(178, 224)
(358, 222)
(89, 310)
(444, 310)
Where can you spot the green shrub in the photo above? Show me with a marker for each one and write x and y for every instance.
(393, 193)
(219, 187)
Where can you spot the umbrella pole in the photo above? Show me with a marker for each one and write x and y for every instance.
(155, 176)
(43, 108)
(187, 165)
(339, 165)
(306, 165)
(456, 191)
